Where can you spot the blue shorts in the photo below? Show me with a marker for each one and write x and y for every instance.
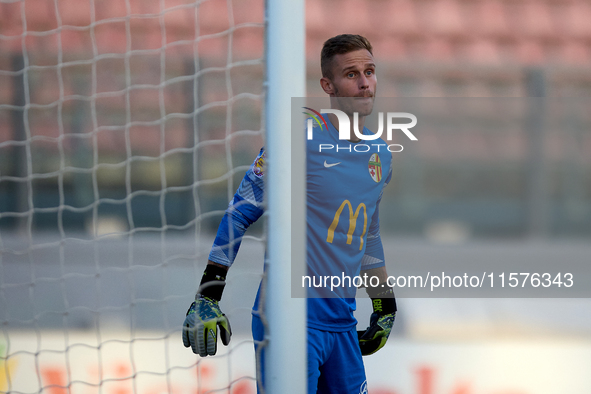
(335, 365)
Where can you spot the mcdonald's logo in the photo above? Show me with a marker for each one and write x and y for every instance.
(352, 222)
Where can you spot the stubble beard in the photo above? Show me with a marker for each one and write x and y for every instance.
(349, 105)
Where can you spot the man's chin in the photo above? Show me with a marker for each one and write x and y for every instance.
(361, 105)
(364, 105)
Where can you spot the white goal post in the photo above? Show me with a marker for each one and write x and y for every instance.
(286, 73)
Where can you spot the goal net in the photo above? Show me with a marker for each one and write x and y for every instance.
(125, 129)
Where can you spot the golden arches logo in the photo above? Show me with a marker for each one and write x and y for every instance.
(352, 222)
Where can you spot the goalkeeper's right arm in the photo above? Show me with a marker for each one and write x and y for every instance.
(204, 317)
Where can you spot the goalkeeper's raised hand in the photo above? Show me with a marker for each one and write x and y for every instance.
(204, 317)
(380, 322)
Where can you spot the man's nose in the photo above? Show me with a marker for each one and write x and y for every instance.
(363, 82)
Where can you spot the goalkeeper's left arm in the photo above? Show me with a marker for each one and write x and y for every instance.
(382, 296)
(382, 318)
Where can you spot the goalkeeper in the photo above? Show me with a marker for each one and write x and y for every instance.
(341, 181)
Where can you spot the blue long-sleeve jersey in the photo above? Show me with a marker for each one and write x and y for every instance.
(344, 189)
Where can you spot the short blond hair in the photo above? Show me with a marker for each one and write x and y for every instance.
(338, 45)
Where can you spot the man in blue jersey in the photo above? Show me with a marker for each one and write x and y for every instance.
(344, 189)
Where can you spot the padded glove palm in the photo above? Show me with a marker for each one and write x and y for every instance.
(200, 329)
(376, 335)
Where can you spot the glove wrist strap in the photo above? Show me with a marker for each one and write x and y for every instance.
(213, 282)
(382, 299)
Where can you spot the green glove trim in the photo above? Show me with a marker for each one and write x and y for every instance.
(382, 299)
(200, 329)
(376, 335)
(381, 320)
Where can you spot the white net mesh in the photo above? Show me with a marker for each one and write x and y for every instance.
(125, 128)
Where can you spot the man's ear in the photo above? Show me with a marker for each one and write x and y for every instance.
(327, 85)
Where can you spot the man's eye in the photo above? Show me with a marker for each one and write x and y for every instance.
(369, 72)
(351, 75)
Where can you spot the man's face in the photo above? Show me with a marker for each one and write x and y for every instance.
(353, 76)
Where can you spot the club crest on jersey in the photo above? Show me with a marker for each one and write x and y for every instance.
(375, 167)
(258, 167)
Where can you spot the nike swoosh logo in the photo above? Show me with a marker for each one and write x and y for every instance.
(331, 164)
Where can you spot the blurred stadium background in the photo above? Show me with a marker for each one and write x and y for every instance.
(99, 134)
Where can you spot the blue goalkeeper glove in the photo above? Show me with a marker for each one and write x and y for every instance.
(380, 322)
(204, 317)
